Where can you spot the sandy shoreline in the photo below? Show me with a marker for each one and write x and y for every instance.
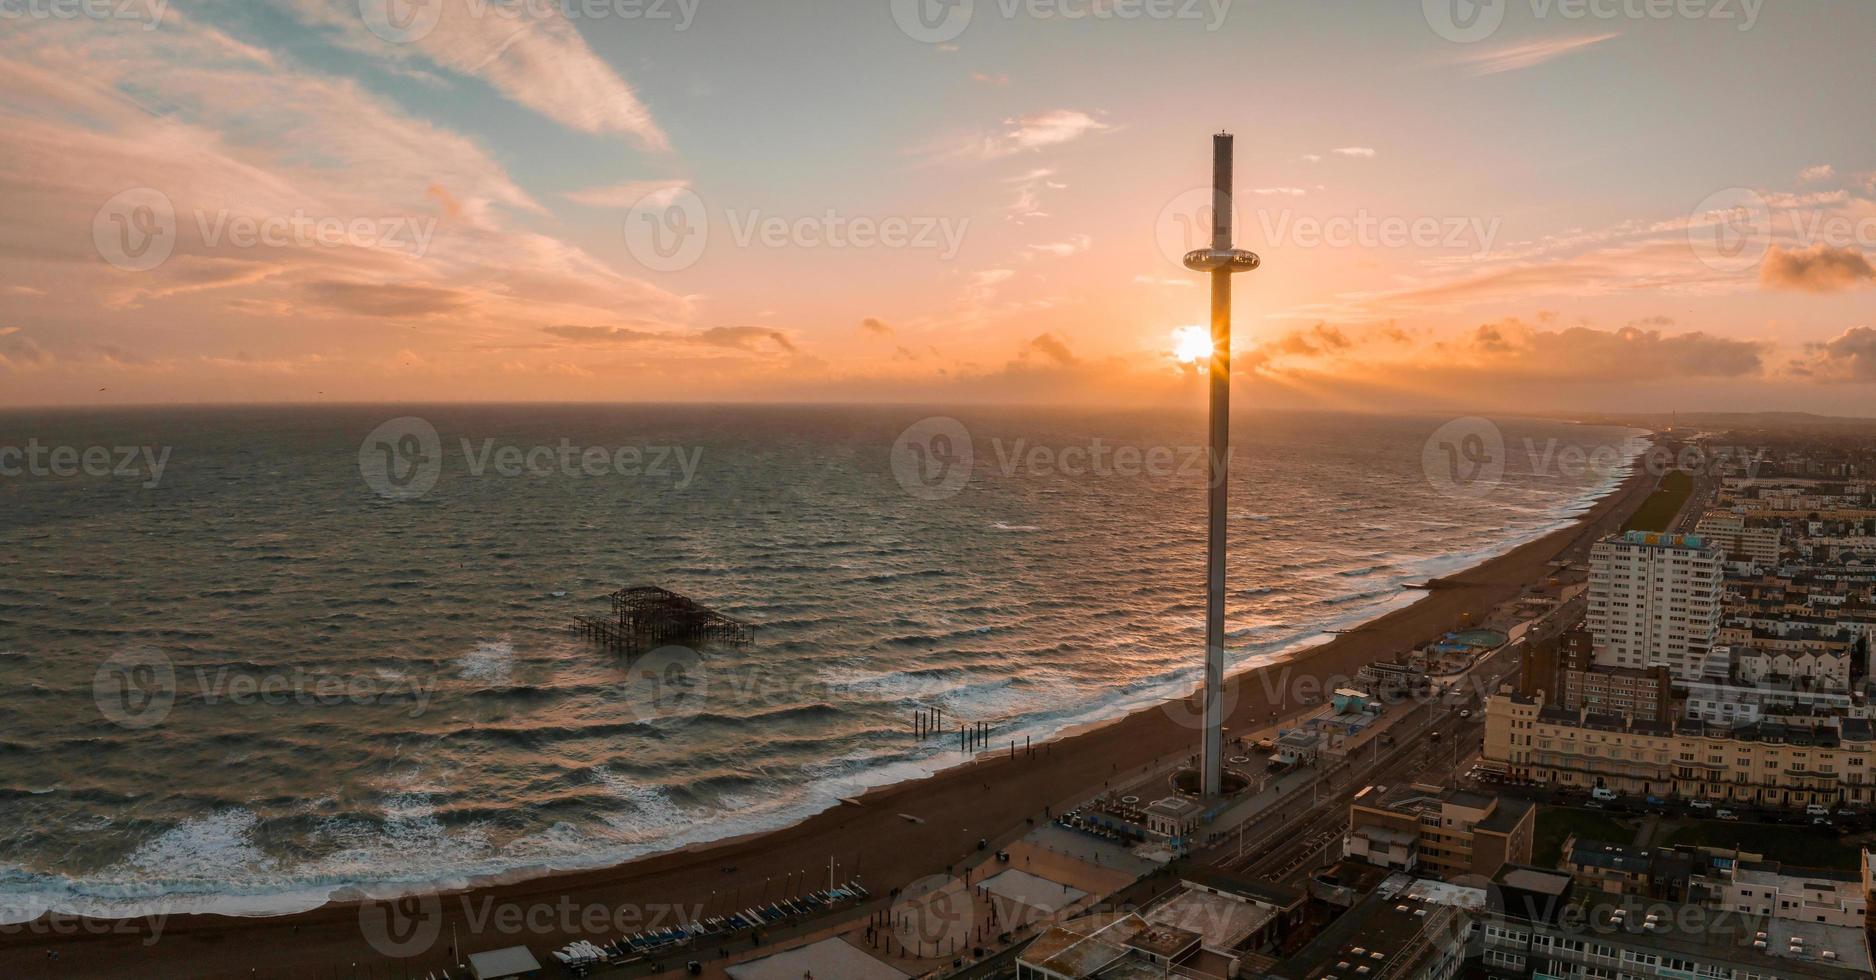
(987, 798)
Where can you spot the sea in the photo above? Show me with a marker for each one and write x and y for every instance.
(256, 658)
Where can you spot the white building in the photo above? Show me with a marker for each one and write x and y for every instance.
(1654, 601)
(1744, 545)
(1765, 889)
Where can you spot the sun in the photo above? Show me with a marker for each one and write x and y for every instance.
(1192, 345)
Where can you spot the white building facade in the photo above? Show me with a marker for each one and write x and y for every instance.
(1654, 601)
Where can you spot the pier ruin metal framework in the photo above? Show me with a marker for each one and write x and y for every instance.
(646, 617)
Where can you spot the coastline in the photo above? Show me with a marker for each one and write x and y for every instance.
(982, 798)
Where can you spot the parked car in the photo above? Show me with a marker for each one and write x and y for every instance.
(1465, 713)
(1814, 810)
(1602, 793)
(1727, 815)
(1701, 805)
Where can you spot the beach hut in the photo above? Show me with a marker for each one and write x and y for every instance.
(503, 964)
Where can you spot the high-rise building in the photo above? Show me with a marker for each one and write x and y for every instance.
(1654, 601)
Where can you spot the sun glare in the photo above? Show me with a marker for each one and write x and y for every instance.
(1192, 344)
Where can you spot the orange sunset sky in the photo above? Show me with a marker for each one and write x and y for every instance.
(1535, 206)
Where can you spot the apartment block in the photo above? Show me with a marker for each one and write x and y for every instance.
(1435, 832)
(1771, 765)
(1654, 601)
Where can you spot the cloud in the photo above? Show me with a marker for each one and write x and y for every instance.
(746, 338)
(242, 137)
(1029, 188)
(1818, 269)
(1051, 348)
(1354, 152)
(738, 338)
(1822, 171)
(1850, 357)
(1316, 341)
(630, 194)
(18, 350)
(1529, 54)
(877, 327)
(1587, 354)
(1280, 191)
(1032, 132)
(997, 80)
(1312, 158)
(528, 52)
(384, 299)
(622, 335)
(1062, 249)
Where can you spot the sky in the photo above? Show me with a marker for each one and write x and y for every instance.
(1556, 205)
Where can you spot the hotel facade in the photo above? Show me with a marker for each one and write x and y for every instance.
(1768, 765)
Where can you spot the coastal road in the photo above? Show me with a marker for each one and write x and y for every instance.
(1299, 837)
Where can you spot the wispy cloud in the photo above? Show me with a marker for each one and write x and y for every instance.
(1354, 152)
(1027, 133)
(532, 55)
(629, 194)
(1062, 249)
(1527, 55)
